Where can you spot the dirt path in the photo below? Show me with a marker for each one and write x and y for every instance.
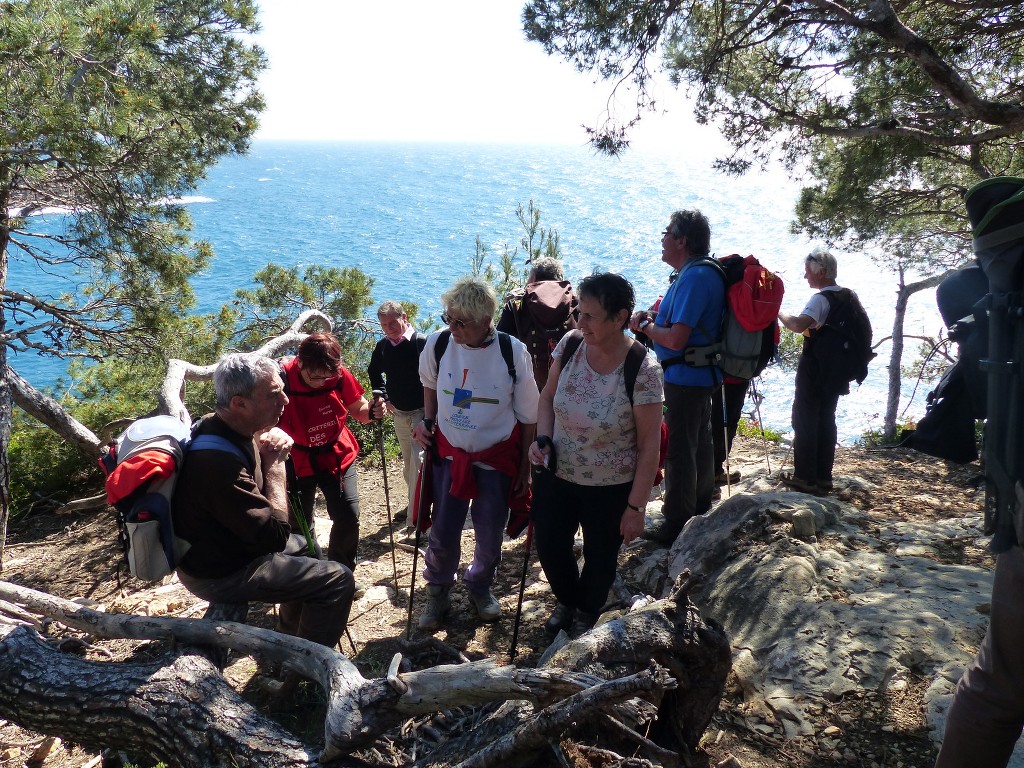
(76, 558)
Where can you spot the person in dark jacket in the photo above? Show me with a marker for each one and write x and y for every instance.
(540, 314)
(394, 368)
(236, 518)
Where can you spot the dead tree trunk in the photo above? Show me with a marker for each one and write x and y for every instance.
(182, 711)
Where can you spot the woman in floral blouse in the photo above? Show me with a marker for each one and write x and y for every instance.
(600, 451)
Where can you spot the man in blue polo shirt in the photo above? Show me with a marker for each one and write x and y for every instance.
(689, 315)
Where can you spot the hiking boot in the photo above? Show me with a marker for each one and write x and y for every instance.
(561, 618)
(436, 608)
(487, 607)
(663, 533)
(727, 479)
(790, 480)
(583, 622)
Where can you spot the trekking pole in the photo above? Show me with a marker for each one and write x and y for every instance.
(764, 440)
(522, 591)
(379, 393)
(422, 502)
(725, 439)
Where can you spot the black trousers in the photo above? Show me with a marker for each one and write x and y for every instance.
(559, 508)
(341, 492)
(814, 424)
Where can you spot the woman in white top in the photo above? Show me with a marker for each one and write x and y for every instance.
(601, 452)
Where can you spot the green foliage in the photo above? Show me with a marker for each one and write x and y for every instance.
(535, 242)
(110, 108)
(887, 113)
(791, 346)
(46, 471)
(754, 429)
(283, 293)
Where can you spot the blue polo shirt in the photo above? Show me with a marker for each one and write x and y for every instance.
(695, 299)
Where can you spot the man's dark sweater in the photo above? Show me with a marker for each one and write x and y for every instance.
(398, 365)
(220, 510)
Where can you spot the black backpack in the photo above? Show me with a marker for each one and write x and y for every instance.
(842, 345)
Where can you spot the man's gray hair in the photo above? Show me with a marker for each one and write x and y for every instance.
(238, 373)
(822, 262)
(391, 309)
(547, 268)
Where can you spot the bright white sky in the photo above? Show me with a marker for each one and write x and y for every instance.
(448, 70)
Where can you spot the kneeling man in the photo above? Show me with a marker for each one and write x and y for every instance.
(234, 513)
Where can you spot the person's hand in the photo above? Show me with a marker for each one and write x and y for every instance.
(275, 444)
(422, 433)
(539, 456)
(631, 525)
(636, 318)
(378, 407)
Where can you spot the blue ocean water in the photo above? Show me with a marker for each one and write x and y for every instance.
(409, 215)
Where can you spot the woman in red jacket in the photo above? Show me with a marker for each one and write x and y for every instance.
(322, 394)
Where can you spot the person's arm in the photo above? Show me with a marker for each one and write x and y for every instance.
(647, 418)
(375, 370)
(363, 411)
(796, 323)
(545, 414)
(274, 446)
(674, 336)
(527, 435)
(422, 433)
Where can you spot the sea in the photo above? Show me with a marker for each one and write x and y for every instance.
(409, 215)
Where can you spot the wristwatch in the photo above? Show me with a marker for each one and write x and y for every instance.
(429, 424)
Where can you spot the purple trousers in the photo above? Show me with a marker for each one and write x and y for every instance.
(489, 511)
(987, 714)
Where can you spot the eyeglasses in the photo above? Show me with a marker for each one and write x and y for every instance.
(318, 377)
(449, 320)
(668, 233)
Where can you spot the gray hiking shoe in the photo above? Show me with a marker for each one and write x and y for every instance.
(561, 618)
(437, 607)
(486, 606)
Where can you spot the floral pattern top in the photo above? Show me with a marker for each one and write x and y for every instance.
(594, 434)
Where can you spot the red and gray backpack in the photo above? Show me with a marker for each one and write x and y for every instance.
(142, 466)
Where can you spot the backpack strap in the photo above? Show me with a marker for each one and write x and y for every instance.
(504, 344)
(219, 443)
(634, 359)
(704, 261)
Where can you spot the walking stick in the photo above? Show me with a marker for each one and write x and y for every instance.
(422, 503)
(550, 463)
(764, 440)
(522, 590)
(379, 393)
(725, 438)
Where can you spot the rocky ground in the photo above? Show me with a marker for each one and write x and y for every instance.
(76, 556)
